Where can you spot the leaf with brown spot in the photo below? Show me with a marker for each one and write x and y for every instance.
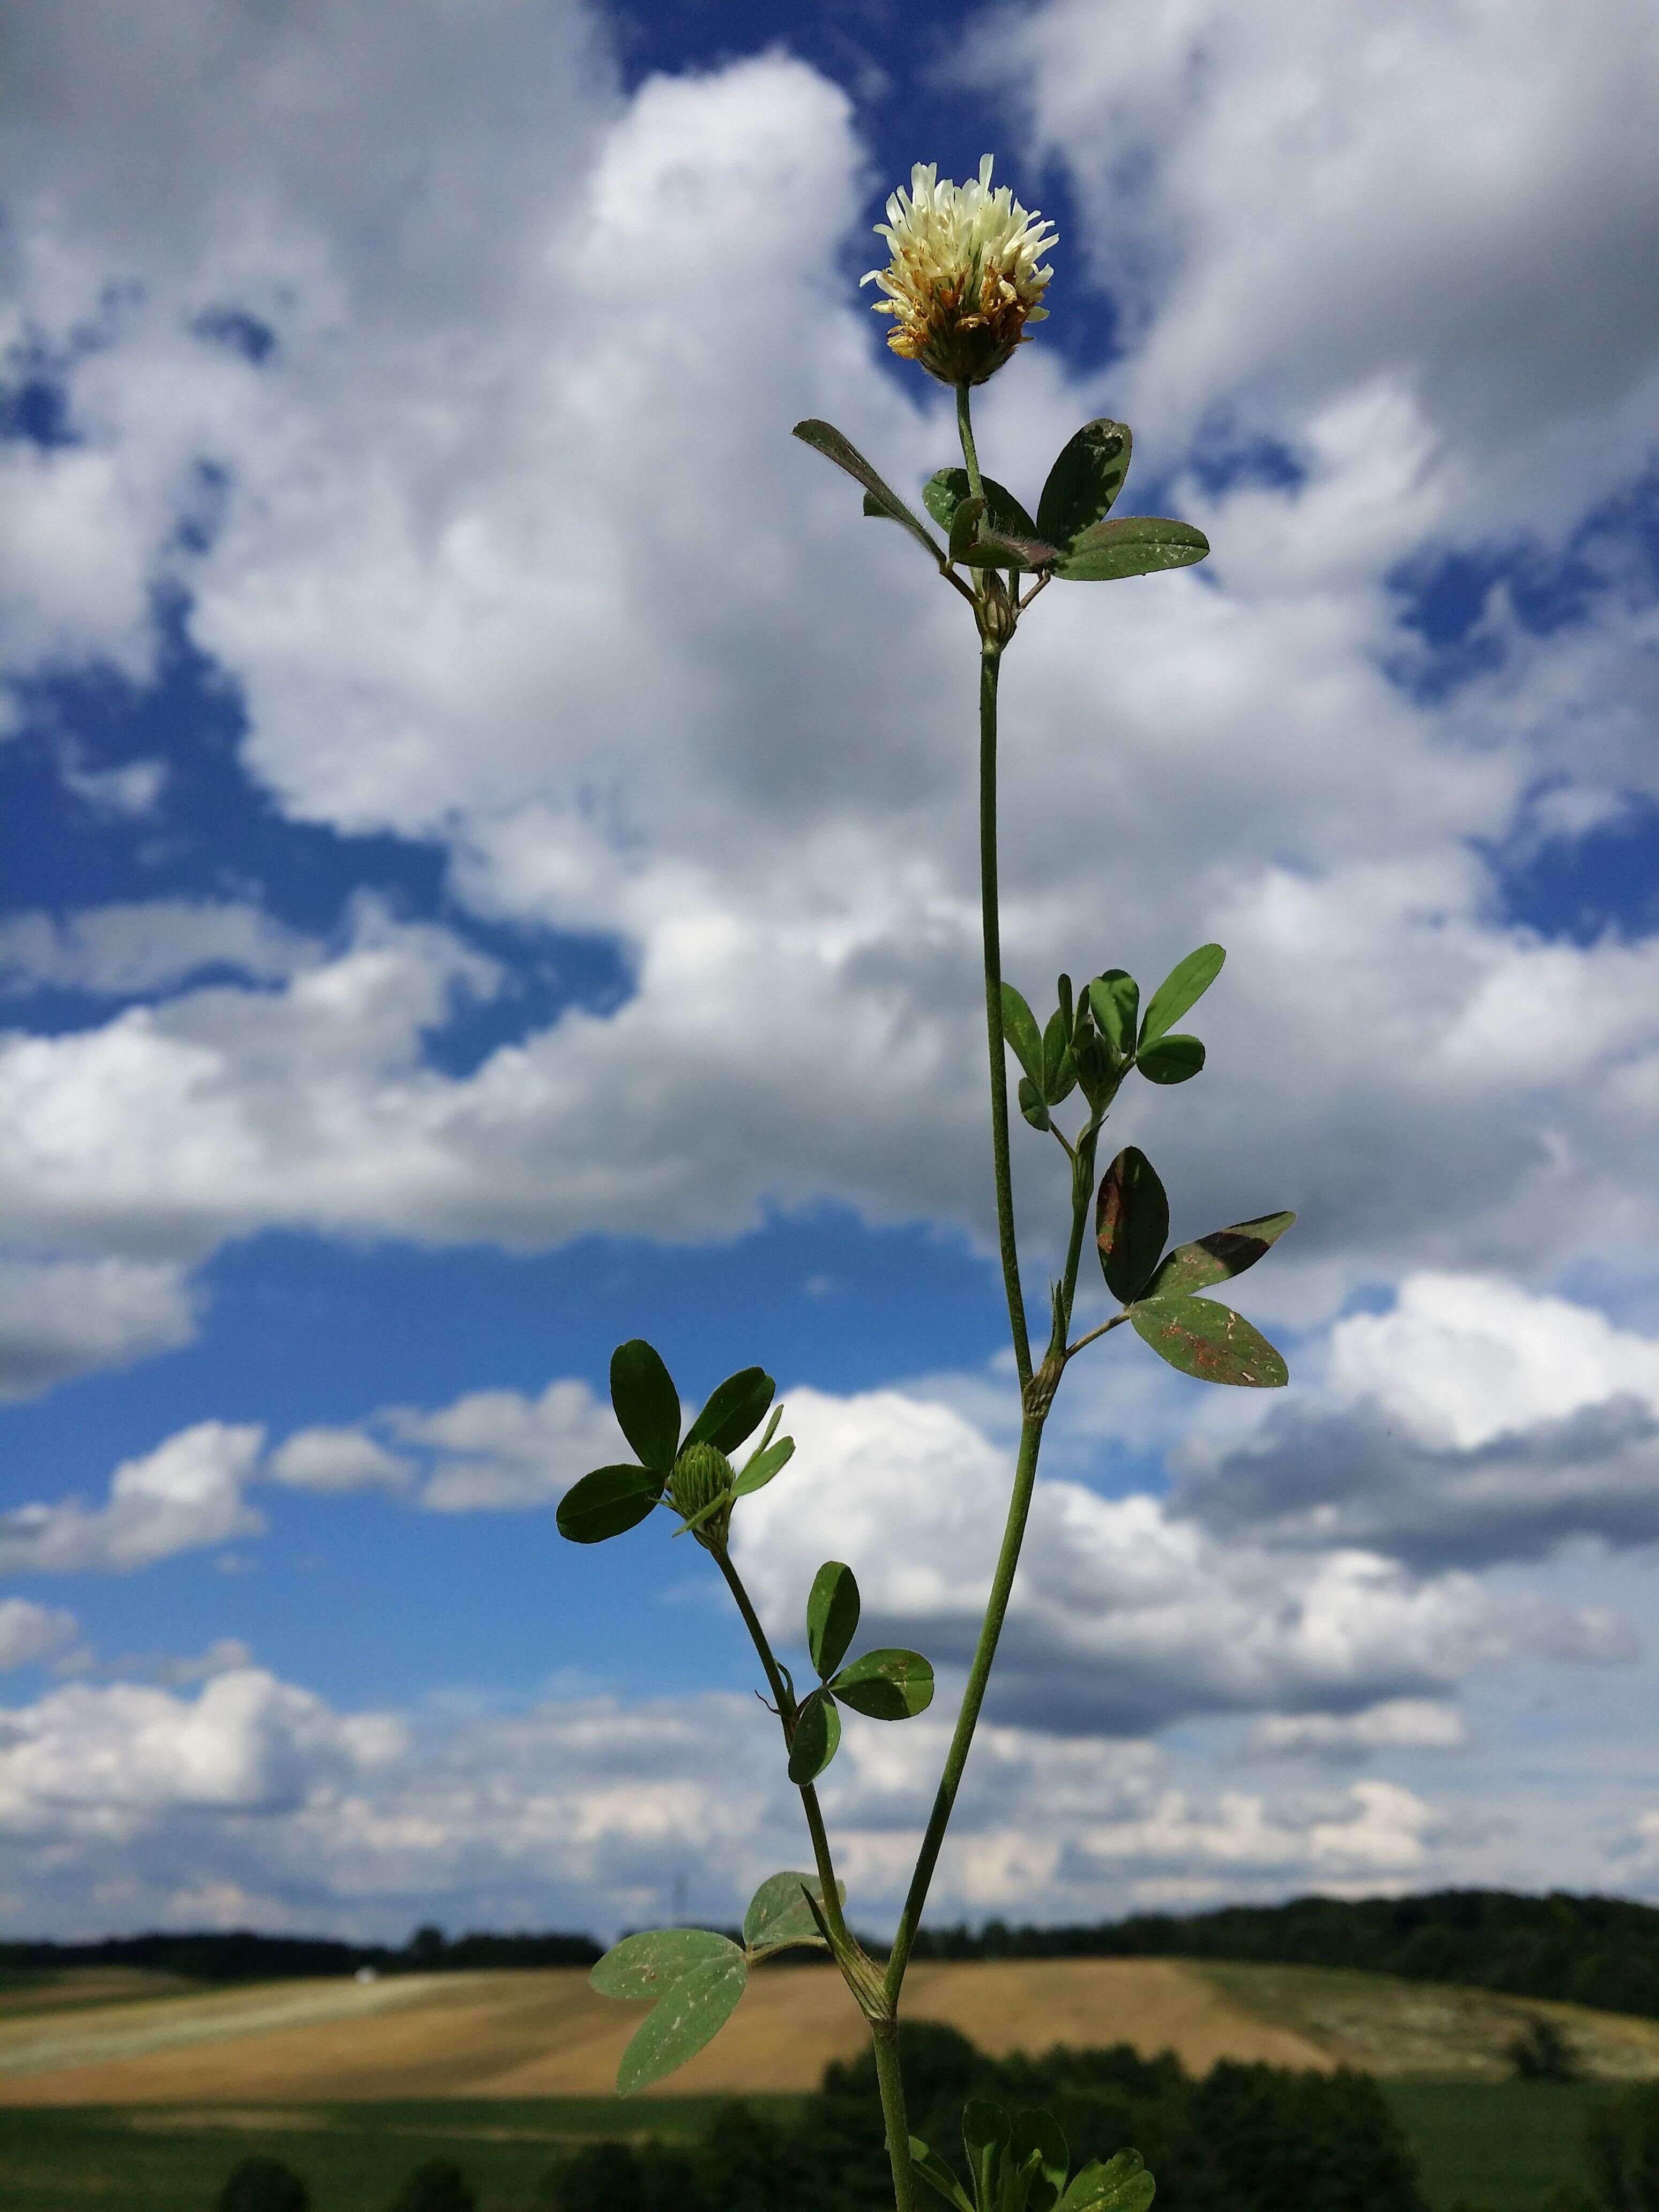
(1215, 1258)
(1210, 1342)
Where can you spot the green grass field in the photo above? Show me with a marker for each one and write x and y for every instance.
(1499, 2144)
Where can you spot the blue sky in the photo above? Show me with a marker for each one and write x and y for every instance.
(488, 871)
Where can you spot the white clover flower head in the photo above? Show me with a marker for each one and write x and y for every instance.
(963, 279)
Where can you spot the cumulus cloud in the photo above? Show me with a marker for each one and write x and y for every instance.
(61, 1316)
(28, 1632)
(186, 1493)
(1126, 1618)
(1397, 1724)
(1473, 1422)
(127, 948)
(336, 1459)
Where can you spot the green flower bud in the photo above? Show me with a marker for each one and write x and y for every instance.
(701, 1475)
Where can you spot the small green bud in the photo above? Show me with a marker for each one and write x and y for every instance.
(702, 1474)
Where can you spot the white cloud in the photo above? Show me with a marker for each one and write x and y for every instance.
(1125, 1618)
(125, 949)
(1397, 1724)
(1473, 1422)
(186, 1493)
(28, 1632)
(336, 1459)
(61, 1316)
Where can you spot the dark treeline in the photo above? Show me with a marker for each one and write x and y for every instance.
(242, 1956)
(1599, 1951)
(1602, 1951)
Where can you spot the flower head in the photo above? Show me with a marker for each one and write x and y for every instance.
(962, 282)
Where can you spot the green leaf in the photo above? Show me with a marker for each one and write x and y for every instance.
(1215, 1258)
(1086, 477)
(1020, 1029)
(1115, 1000)
(735, 1410)
(964, 526)
(763, 1466)
(1209, 1342)
(946, 490)
(832, 1616)
(985, 2137)
(935, 2172)
(1171, 1060)
(1038, 2136)
(1183, 986)
(779, 1915)
(1131, 1220)
(1063, 991)
(1121, 2184)
(1098, 1069)
(1139, 545)
(1030, 1103)
(647, 1406)
(1059, 1068)
(882, 499)
(886, 1686)
(691, 2012)
(641, 1968)
(606, 1502)
(816, 1738)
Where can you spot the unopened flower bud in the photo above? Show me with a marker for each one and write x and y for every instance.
(701, 1475)
(962, 282)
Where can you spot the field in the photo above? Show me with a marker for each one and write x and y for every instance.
(135, 2097)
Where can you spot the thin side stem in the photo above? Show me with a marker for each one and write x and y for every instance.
(1116, 1321)
(787, 1708)
(1083, 1179)
(1002, 1583)
(890, 2079)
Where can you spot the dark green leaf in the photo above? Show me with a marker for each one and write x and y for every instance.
(935, 2172)
(886, 1686)
(824, 438)
(1059, 1069)
(1121, 2184)
(832, 1616)
(1139, 545)
(1019, 1028)
(647, 1406)
(1067, 1014)
(1183, 986)
(985, 2137)
(606, 1502)
(1131, 1220)
(1115, 1000)
(640, 1968)
(1086, 477)
(1209, 1342)
(946, 490)
(779, 1916)
(818, 1734)
(1098, 1070)
(735, 1410)
(763, 1466)
(1039, 2135)
(1213, 1259)
(1030, 1103)
(691, 2012)
(1171, 1060)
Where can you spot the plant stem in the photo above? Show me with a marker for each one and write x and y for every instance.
(969, 452)
(785, 1705)
(889, 2078)
(1002, 1583)
(990, 659)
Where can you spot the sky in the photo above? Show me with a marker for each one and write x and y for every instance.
(488, 847)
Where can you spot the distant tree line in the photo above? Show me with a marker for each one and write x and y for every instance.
(242, 1956)
(1600, 1951)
